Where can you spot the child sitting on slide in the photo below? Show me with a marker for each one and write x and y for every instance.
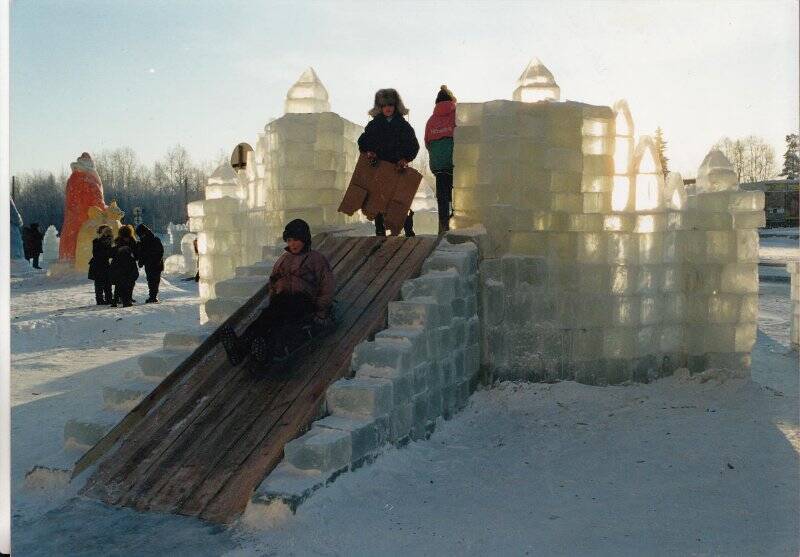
(301, 289)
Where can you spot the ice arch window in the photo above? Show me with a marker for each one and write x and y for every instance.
(623, 157)
(649, 185)
(239, 156)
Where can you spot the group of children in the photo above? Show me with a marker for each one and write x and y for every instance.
(116, 262)
(301, 284)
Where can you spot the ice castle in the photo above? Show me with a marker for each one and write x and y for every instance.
(596, 265)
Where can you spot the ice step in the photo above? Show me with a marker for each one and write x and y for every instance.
(83, 433)
(239, 287)
(260, 269)
(157, 365)
(188, 338)
(124, 397)
(219, 309)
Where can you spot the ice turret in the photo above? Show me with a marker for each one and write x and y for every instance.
(308, 94)
(224, 182)
(716, 173)
(536, 84)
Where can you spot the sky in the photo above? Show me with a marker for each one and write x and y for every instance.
(88, 75)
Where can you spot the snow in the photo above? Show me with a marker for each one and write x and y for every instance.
(702, 465)
(776, 248)
(65, 349)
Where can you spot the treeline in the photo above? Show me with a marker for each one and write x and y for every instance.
(162, 190)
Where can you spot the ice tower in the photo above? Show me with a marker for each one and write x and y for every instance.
(536, 84)
(598, 269)
(299, 168)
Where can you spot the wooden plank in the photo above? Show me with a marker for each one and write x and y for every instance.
(195, 376)
(298, 379)
(198, 445)
(246, 473)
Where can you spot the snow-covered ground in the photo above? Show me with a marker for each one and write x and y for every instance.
(778, 248)
(684, 466)
(65, 349)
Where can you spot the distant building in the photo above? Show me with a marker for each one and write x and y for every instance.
(781, 200)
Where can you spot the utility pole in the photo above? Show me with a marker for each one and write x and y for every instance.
(186, 196)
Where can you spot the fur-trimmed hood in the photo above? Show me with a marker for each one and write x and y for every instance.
(388, 96)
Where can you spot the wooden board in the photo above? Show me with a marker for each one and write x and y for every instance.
(216, 431)
(381, 188)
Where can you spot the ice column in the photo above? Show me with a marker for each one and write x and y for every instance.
(307, 160)
(217, 223)
(721, 271)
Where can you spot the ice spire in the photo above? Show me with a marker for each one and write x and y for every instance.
(308, 94)
(536, 84)
(716, 173)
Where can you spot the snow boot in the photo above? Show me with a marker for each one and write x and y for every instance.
(233, 345)
(151, 301)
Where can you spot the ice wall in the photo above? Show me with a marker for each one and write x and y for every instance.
(602, 270)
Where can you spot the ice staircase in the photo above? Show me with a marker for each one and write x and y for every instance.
(202, 441)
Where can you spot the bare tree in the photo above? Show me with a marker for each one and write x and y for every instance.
(752, 158)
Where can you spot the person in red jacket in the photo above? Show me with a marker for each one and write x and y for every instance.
(439, 142)
(301, 288)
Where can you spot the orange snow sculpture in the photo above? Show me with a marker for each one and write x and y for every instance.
(84, 190)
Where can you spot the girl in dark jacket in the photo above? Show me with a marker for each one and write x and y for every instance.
(389, 137)
(123, 270)
(99, 265)
(151, 257)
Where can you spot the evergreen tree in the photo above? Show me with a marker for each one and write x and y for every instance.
(661, 147)
(791, 158)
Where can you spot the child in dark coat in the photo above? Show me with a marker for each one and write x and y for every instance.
(99, 265)
(301, 289)
(151, 257)
(32, 238)
(389, 137)
(123, 270)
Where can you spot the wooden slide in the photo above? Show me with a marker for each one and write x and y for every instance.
(205, 438)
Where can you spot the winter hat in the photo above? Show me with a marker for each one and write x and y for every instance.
(142, 230)
(299, 230)
(388, 96)
(445, 94)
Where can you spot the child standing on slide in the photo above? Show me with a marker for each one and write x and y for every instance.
(389, 137)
